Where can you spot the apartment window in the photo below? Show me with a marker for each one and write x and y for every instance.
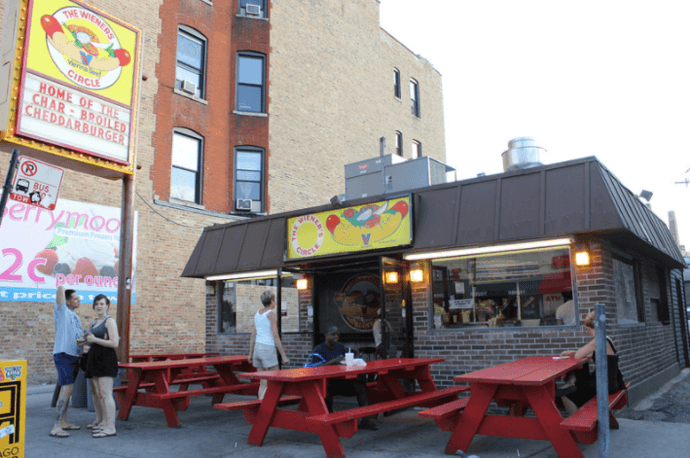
(416, 149)
(185, 178)
(659, 295)
(396, 83)
(250, 82)
(414, 97)
(398, 143)
(249, 176)
(627, 284)
(191, 62)
(521, 289)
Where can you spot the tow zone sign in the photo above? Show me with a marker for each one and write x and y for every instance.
(36, 183)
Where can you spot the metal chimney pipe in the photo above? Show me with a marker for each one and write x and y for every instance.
(522, 153)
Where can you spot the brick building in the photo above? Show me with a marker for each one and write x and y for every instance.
(246, 107)
(497, 268)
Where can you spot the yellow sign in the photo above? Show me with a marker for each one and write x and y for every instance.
(77, 92)
(12, 408)
(382, 224)
(81, 46)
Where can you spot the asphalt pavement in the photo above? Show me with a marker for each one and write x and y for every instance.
(659, 426)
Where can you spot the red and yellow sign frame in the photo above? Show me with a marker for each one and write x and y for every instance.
(376, 225)
(74, 87)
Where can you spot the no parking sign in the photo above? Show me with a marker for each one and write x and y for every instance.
(36, 183)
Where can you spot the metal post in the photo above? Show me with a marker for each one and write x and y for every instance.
(124, 287)
(602, 381)
(8, 182)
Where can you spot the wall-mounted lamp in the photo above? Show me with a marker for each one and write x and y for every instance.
(302, 284)
(392, 277)
(417, 275)
(646, 195)
(210, 289)
(582, 258)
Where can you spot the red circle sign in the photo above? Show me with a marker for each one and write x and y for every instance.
(29, 168)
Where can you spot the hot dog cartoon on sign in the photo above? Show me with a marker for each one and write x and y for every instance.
(84, 47)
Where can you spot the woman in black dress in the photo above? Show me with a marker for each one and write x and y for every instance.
(101, 366)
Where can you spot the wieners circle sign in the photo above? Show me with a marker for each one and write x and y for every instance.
(84, 47)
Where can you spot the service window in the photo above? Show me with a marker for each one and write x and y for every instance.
(527, 288)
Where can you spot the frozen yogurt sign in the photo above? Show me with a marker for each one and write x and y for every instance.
(76, 245)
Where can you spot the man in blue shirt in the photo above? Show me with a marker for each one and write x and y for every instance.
(333, 352)
(65, 354)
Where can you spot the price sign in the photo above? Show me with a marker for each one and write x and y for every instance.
(36, 183)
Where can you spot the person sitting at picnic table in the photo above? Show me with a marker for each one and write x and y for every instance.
(581, 385)
(333, 352)
(266, 339)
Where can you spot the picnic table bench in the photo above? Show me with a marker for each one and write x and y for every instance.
(307, 386)
(157, 377)
(583, 422)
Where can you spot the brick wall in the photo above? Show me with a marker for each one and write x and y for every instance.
(645, 349)
(330, 99)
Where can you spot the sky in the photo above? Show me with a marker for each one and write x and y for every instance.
(604, 78)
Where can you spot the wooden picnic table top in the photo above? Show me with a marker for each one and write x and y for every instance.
(189, 362)
(341, 371)
(533, 370)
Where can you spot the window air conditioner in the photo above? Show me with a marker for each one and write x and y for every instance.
(256, 206)
(243, 205)
(188, 87)
(253, 10)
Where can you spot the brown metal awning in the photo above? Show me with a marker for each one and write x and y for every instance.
(568, 198)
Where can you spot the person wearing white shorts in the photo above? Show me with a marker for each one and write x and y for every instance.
(265, 339)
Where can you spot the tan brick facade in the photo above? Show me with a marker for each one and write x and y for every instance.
(329, 100)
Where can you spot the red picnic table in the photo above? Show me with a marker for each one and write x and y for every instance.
(308, 387)
(156, 378)
(528, 382)
(147, 357)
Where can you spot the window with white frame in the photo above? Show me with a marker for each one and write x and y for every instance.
(396, 83)
(414, 98)
(187, 156)
(416, 149)
(518, 289)
(253, 8)
(249, 177)
(250, 82)
(398, 143)
(191, 62)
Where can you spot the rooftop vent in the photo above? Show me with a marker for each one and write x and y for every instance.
(522, 153)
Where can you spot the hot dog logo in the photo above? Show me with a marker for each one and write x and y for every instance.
(84, 47)
(366, 225)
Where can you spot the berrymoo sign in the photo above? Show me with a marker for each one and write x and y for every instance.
(75, 245)
(78, 86)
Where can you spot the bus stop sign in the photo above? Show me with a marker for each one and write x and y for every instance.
(36, 183)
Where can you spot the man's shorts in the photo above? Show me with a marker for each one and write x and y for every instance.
(265, 356)
(67, 367)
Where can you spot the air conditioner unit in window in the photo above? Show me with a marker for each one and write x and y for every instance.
(243, 205)
(256, 206)
(189, 87)
(253, 10)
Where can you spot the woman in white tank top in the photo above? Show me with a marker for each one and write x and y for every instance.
(265, 339)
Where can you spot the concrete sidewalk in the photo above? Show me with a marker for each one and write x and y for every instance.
(211, 433)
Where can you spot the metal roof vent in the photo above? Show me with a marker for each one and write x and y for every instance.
(522, 153)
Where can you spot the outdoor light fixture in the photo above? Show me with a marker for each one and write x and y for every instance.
(392, 277)
(582, 258)
(646, 195)
(486, 249)
(302, 284)
(417, 275)
(245, 275)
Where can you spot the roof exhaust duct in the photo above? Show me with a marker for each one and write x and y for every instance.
(522, 153)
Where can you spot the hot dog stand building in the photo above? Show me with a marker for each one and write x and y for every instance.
(479, 272)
